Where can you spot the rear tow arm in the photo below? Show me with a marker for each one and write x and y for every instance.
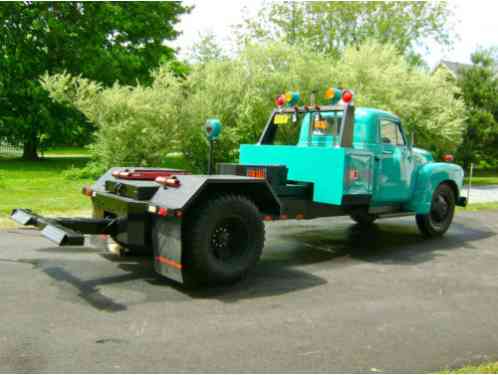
(65, 231)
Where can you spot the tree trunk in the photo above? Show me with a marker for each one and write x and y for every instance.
(30, 149)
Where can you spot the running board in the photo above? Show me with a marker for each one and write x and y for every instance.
(396, 214)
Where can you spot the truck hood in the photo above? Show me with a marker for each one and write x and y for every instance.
(423, 155)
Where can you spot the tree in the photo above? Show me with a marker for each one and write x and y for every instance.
(241, 93)
(206, 49)
(330, 26)
(479, 86)
(142, 125)
(104, 41)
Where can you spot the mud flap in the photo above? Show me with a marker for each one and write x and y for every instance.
(167, 245)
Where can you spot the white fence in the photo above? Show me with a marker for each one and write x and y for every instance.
(10, 149)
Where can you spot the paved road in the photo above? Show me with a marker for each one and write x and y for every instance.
(325, 297)
(482, 193)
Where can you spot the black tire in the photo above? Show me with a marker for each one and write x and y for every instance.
(439, 219)
(363, 217)
(223, 238)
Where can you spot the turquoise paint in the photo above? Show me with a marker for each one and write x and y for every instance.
(362, 163)
(213, 128)
(324, 167)
(395, 167)
(429, 177)
(392, 174)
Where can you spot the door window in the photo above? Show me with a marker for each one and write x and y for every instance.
(390, 133)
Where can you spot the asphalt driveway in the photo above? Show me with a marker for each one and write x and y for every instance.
(326, 296)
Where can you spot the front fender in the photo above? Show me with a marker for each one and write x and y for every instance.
(429, 177)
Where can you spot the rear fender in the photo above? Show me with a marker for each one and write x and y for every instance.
(193, 190)
(429, 177)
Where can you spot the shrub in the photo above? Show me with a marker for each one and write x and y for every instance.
(135, 125)
(141, 125)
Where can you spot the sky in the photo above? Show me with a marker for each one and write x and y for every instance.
(476, 25)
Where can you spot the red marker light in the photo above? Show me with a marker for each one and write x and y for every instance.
(448, 158)
(280, 101)
(162, 211)
(347, 96)
(172, 181)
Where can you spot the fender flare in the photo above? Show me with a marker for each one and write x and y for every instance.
(167, 232)
(429, 177)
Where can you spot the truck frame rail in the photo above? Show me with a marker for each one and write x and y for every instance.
(65, 231)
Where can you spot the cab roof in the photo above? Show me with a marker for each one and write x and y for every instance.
(367, 114)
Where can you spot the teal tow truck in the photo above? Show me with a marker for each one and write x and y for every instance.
(311, 161)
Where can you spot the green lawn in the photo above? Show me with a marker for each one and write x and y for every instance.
(40, 186)
(486, 368)
(66, 151)
(483, 178)
(479, 206)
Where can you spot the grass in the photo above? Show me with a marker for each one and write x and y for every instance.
(479, 206)
(40, 186)
(483, 178)
(176, 161)
(66, 151)
(486, 368)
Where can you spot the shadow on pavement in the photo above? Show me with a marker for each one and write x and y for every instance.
(283, 268)
(386, 243)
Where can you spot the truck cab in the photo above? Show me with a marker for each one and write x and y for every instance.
(352, 157)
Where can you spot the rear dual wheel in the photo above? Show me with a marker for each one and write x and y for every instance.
(439, 219)
(223, 238)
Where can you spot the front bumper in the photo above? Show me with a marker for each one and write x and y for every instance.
(462, 201)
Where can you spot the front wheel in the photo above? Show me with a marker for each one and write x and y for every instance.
(224, 239)
(438, 220)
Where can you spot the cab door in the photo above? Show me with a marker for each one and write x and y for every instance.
(394, 164)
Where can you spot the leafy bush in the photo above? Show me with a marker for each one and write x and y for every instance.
(427, 104)
(92, 170)
(135, 125)
(141, 125)
(241, 92)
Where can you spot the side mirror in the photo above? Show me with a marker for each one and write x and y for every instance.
(213, 129)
